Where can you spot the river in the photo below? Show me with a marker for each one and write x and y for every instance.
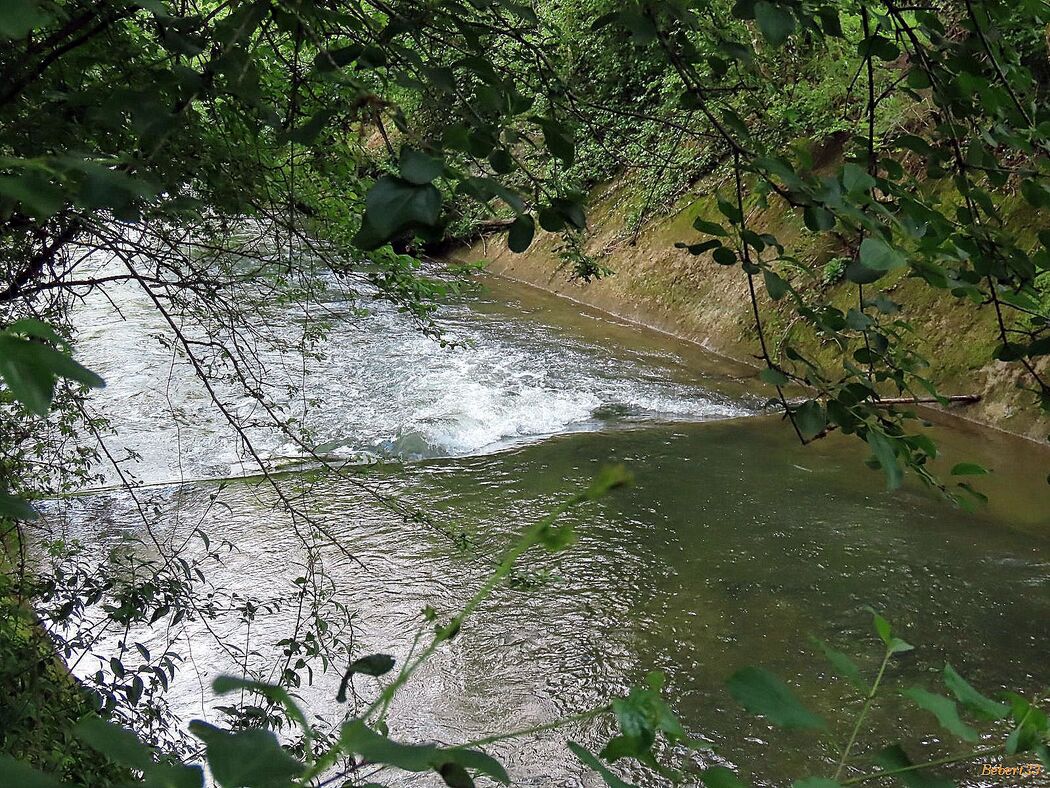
(733, 547)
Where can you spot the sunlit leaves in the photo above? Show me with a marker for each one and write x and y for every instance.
(760, 692)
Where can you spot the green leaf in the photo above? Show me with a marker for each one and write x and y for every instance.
(521, 233)
(558, 140)
(856, 179)
(815, 782)
(455, 776)
(969, 469)
(18, 18)
(32, 327)
(478, 761)
(358, 738)
(30, 370)
(16, 508)
(502, 162)
(226, 684)
(419, 168)
(723, 255)
(818, 219)
(20, 774)
(711, 228)
(721, 777)
(843, 665)
(774, 377)
(610, 778)
(884, 452)
(246, 758)
(760, 692)
(119, 745)
(372, 665)
(971, 698)
(894, 758)
(776, 23)
(394, 204)
(775, 286)
(40, 198)
(944, 710)
(877, 255)
(810, 419)
(885, 633)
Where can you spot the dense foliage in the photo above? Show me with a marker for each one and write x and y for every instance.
(228, 157)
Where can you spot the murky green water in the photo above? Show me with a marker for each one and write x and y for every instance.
(733, 548)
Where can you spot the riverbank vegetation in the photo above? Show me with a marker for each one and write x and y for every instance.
(228, 159)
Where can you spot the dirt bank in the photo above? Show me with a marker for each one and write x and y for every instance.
(657, 285)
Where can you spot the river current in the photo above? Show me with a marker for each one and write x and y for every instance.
(734, 546)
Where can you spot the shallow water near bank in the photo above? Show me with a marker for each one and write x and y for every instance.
(733, 547)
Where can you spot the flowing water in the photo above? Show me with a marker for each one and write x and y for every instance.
(734, 546)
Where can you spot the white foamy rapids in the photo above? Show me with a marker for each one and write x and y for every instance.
(380, 389)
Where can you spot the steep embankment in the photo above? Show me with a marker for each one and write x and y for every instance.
(668, 289)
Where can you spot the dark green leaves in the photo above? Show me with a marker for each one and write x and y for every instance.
(776, 22)
(558, 140)
(31, 368)
(810, 419)
(521, 233)
(39, 196)
(760, 692)
(124, 748)
(21, 774)
(15, 508)
(357, 738)
(19, 17)
(246, 758)
(775, 286)
(394, 204)
(876, 258)
(119, 745)
(418, 168)
(895, 759)
(372, 665)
